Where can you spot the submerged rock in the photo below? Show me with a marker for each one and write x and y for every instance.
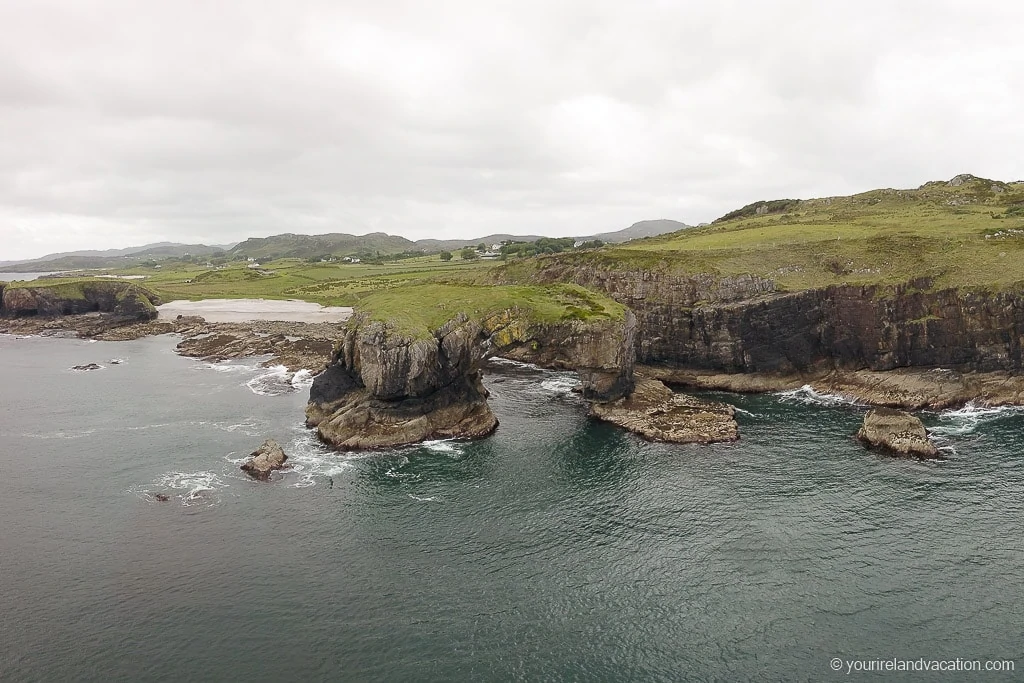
(265, 459)
(897, 432)
(88, 366)
(656, 413)
(161, 497)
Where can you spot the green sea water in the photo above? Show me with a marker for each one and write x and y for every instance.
(556, 550)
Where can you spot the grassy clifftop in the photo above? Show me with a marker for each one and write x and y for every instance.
(421, 308)
(966, 232)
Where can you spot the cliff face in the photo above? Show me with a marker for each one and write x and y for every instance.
(123, 299)
(602, 353)
(384, 388)
(743, 325)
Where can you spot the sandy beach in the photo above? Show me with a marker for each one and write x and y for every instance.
(245, 310)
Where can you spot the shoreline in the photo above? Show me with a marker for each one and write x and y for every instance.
(299, 345)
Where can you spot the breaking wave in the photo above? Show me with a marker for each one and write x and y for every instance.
(278, 380)
(561, 385)
(190, 488)
(808, 395)
(966, 420)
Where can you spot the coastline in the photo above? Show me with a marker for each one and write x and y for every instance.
(303, 345)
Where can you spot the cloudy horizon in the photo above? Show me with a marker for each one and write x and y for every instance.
(128, 123)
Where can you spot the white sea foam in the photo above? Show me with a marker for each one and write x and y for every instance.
(508, 362)
(424, 499)
(60, 434)
(229, 366)
(562, 384)
(967, 419)
(249, 427)
(195, 488)
(313, 463)
(303, 379)
(444, 446)
(807, 395)
(275, 381)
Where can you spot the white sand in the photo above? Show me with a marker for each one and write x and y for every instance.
(244, 310)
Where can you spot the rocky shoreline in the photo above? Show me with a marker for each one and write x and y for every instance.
(295, 345)
(378, 389)
(902, 388)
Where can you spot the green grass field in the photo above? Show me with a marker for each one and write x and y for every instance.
(968, 233)
(960, 236)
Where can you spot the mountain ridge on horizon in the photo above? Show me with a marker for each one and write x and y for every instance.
(298, 245)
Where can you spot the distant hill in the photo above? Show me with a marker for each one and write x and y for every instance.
(640, 230)
(489, 240)
(290, 245)
(110, 258)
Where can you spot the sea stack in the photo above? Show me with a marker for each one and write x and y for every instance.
(265, 459)
(897, 432)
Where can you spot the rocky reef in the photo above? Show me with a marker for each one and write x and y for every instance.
(656, 413)
(896, 432)
(385, 387)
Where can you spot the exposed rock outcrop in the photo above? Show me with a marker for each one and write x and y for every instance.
(268, 458)
(896, 432)
(387, 388)
(656, 413)
(124, 301)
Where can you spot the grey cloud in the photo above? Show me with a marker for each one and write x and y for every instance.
(129, 122)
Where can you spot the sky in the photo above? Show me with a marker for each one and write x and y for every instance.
(125, 122)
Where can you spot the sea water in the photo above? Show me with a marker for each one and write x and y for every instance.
(557, 549)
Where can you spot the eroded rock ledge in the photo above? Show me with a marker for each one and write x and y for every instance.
(656, 413)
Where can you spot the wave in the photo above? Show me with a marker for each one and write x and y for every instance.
(561, 385)
(195, 488)
(808, 395)
(278, 380)
(445, 446)
(424, 499)
(967, 419)
(229, 366)
(61, 434)
(313, 462)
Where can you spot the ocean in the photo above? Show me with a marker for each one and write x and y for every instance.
(558, 549)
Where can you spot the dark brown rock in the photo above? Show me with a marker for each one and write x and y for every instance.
(265, 459)
(896, 432)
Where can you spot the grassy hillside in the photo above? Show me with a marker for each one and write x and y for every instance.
(312, 246)
(419, 308)
(966, 232)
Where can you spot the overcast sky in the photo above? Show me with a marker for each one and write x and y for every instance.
(128, 122)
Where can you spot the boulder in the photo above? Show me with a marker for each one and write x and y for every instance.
(896, 432)
(265, 459)
(656, 413)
